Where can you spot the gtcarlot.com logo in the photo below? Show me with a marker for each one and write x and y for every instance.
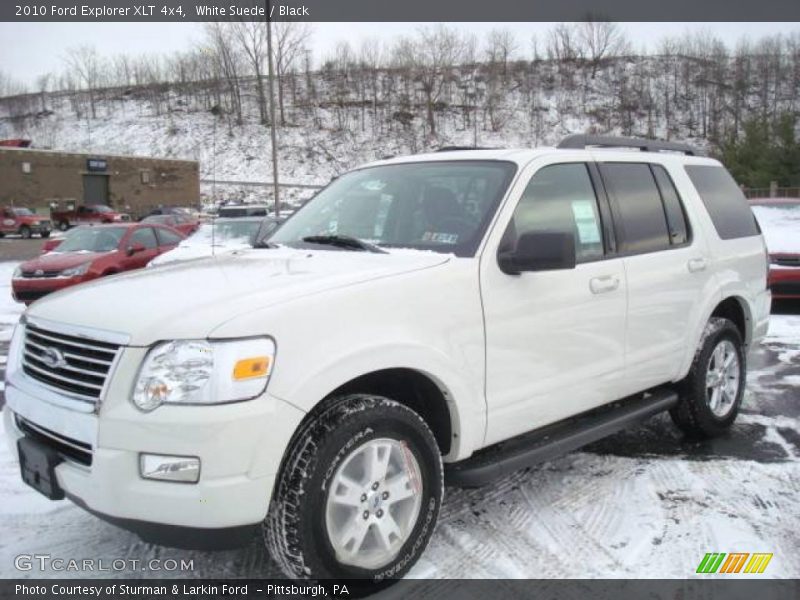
(46, 562)
(735, 562)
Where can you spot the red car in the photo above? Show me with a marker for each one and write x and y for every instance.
(91, 252)
(779, 219)
(23, 221)
(183, 223)
(96, 213)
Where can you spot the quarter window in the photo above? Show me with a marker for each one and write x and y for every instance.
(640, 212)
(561, 198)
(724, 201)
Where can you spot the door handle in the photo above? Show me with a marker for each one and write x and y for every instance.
(600, 285)
(696, 264)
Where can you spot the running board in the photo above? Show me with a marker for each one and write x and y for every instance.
(559, 438)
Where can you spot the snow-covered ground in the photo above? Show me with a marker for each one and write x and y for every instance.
(642, 504)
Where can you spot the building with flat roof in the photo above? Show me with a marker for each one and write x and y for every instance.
(134, 184)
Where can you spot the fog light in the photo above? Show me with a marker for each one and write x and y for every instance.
(184, 469)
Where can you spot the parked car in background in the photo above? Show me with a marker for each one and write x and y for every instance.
(181, 222)
(219, 237)
(24, 222)
(94, 213)
(91, 252)
(779, 219)
(243, 210)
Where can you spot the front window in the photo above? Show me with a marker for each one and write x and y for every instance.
(101, 209)
(440, 206)
(92, 239)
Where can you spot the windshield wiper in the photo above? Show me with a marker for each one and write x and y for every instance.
(343, 241)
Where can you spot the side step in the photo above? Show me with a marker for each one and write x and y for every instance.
(557, 439)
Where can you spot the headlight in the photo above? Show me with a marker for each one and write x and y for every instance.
(17, 273)
(204, 372)
(75, 271)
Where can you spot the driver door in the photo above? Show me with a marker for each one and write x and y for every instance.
(555, 340)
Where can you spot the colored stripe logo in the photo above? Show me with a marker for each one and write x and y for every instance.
(735, 562)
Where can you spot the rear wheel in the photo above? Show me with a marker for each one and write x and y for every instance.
(45, 234)
(359, 493)
(25, 232)
(712, 392)
(63, 225)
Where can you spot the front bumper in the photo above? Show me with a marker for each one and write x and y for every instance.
(29, 289)
(240, 446)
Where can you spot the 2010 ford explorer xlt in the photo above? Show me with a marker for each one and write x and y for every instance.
(391, 334)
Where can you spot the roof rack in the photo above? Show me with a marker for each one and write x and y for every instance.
(457, 148)
(580, 140)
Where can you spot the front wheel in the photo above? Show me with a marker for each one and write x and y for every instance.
(712, 392)
(63, 225)
(45, 234)
(25, 232)
(359, 493)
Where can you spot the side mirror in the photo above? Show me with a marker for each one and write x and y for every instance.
(539, 251)
(135, 248)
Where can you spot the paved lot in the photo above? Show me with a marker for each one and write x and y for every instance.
(17, 249)
(643, 503)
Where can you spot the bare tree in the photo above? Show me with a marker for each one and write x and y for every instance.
(252, 36)
(601, 40)
(87, 66)
(291, 38)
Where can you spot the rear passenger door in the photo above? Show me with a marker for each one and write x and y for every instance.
(555, 340)
(666, 269)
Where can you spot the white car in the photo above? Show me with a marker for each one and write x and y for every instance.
(457, 314)
(218, 237)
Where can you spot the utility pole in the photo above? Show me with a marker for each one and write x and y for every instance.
(272, 133)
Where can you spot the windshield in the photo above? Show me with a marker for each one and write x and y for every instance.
(92, 239)
(440, 206)
(22, 212)
(163, 219)
(241, 231)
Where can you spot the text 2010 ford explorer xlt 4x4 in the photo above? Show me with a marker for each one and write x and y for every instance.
(483, 309)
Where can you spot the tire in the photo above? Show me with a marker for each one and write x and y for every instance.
(45, 234)
(63, 225)
(696, 414)
(25, 232)
(304, 523)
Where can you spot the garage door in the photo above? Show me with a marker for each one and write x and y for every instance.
(95, 189)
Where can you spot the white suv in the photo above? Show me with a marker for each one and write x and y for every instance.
(449, 316)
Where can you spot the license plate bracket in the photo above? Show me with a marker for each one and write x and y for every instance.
(38, 465)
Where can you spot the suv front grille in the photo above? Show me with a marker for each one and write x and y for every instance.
(72, 364)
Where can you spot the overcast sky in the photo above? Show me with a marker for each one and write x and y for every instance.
(31, 49)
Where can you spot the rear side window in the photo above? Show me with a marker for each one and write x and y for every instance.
(144, 236)
(676, 218)
(724, 201)
(639, 210)
(167, 238)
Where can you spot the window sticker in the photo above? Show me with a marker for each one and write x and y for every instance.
(441, 238)
(586, 222)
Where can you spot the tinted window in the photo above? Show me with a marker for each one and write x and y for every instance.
(676, 217)
(144, 236)
(643, 225)
(724, 201)
(561, 198)
(167, 238)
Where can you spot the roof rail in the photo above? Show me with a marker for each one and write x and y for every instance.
(457, 148)
(580, 140)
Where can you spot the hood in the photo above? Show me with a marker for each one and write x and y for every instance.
(194, 251)
(189, 300)
(58, 261)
